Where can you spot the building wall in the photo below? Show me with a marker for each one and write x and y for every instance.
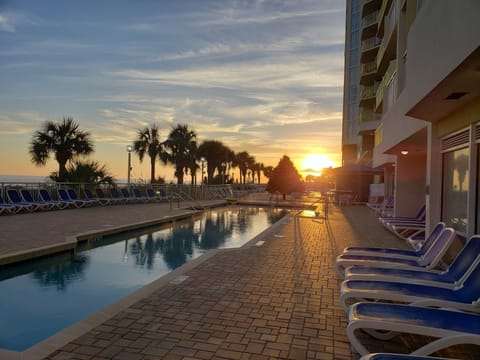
(410, 184)
(443, 35)
(350, 138)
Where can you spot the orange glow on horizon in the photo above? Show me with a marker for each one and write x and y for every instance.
(313, 164)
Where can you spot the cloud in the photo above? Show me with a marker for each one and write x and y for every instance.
(6, 24)
(20, 123)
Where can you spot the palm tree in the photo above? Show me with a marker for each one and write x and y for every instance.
(64, 139)
(244, 161)
(217, 156)
(148, 142)
(181, 148)
(86, 172)
(257, 170)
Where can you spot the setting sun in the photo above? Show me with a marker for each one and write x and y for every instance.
(314, 163)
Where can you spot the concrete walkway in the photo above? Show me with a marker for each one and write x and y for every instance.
(277, 298)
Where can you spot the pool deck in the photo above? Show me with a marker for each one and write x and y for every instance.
(275, 298)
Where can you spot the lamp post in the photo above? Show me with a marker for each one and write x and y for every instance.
(129, 150)
(202, 159)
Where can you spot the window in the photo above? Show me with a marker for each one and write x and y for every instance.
(455, 188)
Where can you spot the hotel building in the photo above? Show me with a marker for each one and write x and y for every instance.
(418, 109)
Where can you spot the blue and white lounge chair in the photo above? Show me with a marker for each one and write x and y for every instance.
(453, 276)
(152, 196)
(429, 260)
(6, 208)
(378, 251)
(72, 194)
(387, 356)
(15, 199)
(385, 321)
(45, 196)
(405, 226)
(64, 197)
(102, 197)
(419, 216)
(115, 194)
(137, 195)
(28, 198)
(464, 296)
(126, 196)
(91, 197)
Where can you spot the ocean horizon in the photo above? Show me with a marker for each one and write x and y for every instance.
(24, 179)
(28, 179)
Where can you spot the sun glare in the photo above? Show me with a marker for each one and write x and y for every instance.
(314, 163)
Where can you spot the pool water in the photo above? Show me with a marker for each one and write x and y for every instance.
(42, 297)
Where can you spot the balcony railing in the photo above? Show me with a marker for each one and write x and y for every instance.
(381, 15)
(367, 92)
(390, 22)
(373, 42)
(370, 19)
(391, 70)
(368, 68)
(378, 135)
(366, 115)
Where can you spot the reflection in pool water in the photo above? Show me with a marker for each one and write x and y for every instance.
(41, 297)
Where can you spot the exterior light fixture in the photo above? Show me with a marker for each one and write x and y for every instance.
(129, 150)
(202, 160)
(404, 152)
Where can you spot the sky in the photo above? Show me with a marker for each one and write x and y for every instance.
(261, 76)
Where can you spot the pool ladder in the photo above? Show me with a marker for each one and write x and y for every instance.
(187, 198)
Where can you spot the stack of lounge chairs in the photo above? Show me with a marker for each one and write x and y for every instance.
(411, 229)
(25, 200)
(388, 292)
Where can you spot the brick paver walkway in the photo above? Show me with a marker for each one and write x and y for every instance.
(279, 300)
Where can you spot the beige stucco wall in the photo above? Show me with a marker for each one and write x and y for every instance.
(410, 184)
(459, 119)
(439, 25)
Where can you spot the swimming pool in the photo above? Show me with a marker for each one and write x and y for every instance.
(41, 297)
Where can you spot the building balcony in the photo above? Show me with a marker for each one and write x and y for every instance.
(369, 25)
(368, 121)
(388, 47)
(368, 72)
(379, 134)
(386, 80)
(384, 9)
(370, 49)
(370, 6)
(367, 96)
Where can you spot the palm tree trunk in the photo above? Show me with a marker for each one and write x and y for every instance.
(152, 170)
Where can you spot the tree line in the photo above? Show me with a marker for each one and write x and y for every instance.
(68, 143)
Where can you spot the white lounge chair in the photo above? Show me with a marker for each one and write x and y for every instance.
(400, 253)
(428, 261)
(461, 266)
(387, 356)
(15, 199)
(385, 321)
(6, 208)
(463, 296)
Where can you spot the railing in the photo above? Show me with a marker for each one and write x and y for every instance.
(378, 137)
(197, 192)
(370, 19)
(368, 68)
(392, 67)
(367, 92)
(188, 200)
(390, 23)
(371, 43)
(366, 115)
(381, 13)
